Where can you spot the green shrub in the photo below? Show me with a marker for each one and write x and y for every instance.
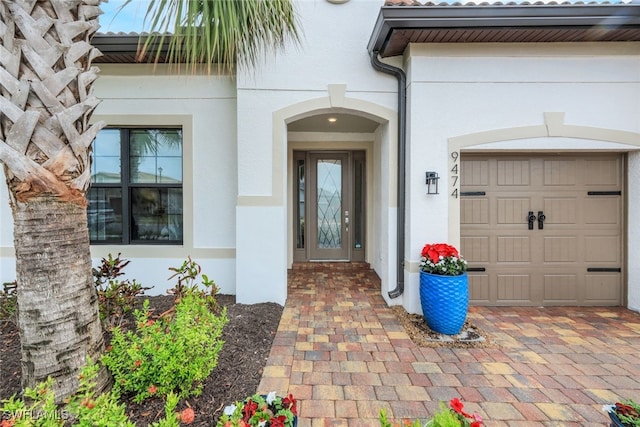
(90, 410)
(116, 298)
(83, 409)
(172, 354)
(448, 416)
(187, 275)
(41, 411)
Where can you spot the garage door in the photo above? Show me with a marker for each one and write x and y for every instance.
(543, 230)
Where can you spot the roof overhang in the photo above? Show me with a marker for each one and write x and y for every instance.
(398, 26)
(122, 48)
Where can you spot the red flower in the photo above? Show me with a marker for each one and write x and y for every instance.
(249, 409)
(456, 405)
(278, 422)
(8, 423)
(137, 363)
(435, 251)
(187, 416)
(153, 389)
(289, 402)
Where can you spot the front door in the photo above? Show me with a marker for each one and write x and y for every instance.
(330, 206)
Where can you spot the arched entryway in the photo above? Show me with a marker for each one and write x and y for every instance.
(331, 189)
(363, 136)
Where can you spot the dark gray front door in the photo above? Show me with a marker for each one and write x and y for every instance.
(329, 232)
(330, 206)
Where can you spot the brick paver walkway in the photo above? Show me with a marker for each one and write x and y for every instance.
(344, 355)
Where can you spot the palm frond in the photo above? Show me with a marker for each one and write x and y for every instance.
(217, 33)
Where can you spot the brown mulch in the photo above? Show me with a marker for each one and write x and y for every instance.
(415, 326)
(248, 337)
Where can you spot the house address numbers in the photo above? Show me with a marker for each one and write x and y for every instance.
(455, 174)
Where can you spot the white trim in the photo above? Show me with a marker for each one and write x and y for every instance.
(536, 135)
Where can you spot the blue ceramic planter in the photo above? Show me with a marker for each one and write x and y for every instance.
(615, 421)
(444, 300)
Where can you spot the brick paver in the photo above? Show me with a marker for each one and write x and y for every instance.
(341, 351)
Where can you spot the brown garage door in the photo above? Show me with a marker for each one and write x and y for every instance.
(543, 230)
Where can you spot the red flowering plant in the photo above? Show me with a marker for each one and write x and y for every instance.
(456, 410)
(442, 259)
(451, 416)
(625, 413)
(260, 410)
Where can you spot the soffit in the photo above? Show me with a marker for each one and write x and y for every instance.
(122, 48)
(401, 22)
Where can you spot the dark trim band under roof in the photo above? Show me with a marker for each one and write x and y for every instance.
(122, 48)
(399, 25)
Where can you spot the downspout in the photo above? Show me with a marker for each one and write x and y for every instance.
(402, 149)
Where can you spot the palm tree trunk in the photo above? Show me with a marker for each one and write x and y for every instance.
(57, 303)
(46, 102)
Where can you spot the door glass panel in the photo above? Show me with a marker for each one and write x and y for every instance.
(358, 203)
(301, 207)
(329, 203)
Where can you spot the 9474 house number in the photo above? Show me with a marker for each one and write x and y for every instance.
(455, 173)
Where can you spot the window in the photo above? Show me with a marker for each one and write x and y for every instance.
(136, 187)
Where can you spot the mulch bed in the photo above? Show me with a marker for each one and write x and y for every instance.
(248, 337)
(415, 326)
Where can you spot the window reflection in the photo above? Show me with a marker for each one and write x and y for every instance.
(156, 156)
(104, 214)
(156, 214)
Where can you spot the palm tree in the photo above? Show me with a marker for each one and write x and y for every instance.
(220, 33)
(45, 147)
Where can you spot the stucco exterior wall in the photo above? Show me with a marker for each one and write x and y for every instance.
(502, 98)
(633, 236)
(330, 71)
(205, 106)
(138, 95)
(459, 95)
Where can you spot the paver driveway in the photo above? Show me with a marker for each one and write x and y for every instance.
(344, 355)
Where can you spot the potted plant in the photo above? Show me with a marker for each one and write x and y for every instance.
(451, 416)
(624, 414)
(444, 288)
(261, 410)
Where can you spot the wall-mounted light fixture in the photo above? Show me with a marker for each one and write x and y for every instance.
(432, 182)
